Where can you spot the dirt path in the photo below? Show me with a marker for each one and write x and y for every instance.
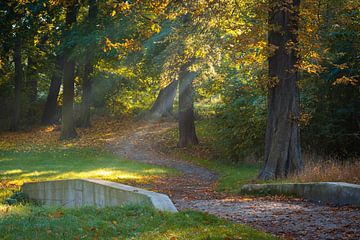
(195, 189)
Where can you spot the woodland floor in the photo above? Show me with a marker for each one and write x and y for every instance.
(195, 188)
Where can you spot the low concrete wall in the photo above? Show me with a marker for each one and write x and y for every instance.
(327, 192)
(94, 192)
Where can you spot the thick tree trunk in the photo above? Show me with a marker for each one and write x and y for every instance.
(51, 106)
(282, 146)
(163, 104)
(187, 133)
(18, 79)
(86, 84)
(68, 124)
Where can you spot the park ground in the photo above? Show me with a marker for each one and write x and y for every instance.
(144, 154)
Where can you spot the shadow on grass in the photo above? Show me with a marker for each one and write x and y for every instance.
(18, 167)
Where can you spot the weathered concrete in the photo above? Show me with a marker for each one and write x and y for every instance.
(94, 192)
(337, 193)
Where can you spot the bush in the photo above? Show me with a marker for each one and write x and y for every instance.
(241, 124)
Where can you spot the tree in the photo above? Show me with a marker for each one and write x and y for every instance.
(282, 141)
(51, 106)
(32, 88)
(18, 83)
(187, 133)
(163, 104)
(88, 69)
(68, 124)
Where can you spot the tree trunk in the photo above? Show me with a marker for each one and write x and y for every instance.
(18, 79)
(32, 80)
(51, 105)
(187, 133)
(86, 84)
(282, 141)
(32, 85)
(163, 104)
(86, 97)
(68, 124)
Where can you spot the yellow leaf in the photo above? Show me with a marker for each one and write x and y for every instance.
(155, 28)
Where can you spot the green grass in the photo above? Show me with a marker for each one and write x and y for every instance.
(129, 222)
(38, 165)
(231, 175)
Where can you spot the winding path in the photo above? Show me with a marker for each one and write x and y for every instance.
(195, 189)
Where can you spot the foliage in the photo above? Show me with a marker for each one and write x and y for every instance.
(241, 121)
(138, 47)
(331, 100)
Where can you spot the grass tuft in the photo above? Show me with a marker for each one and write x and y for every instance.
(331, 170)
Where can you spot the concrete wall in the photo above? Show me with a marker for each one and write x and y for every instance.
(94, 192)
(326, 192)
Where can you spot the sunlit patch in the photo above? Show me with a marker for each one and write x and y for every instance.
(38, 173)
(154, 171)
(14, 171)
(49, 129)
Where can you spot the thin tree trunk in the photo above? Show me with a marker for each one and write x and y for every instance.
(187, 133)
(51, 105)
(32, 84)
(86, 94)
(282, 141)
(32, 80)
(86, 97)
(18, 79)
(163, 104)
(68, 124)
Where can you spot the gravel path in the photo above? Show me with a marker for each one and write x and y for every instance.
(194, 189)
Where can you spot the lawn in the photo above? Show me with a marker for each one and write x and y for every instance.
(129, 222)
(59, 161)
(71, 162)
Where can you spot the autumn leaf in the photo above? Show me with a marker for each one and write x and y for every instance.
(57, 214)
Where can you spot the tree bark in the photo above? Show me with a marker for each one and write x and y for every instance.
(86, 97)
(18, 81)
(32, 81)
(86, 84)
(32, 85)
(51, 105)
(187, 133)
(163, 104)
(282, 141)
(68, 124)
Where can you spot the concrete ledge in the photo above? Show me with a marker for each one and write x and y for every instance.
(94, 192)
(336, 193)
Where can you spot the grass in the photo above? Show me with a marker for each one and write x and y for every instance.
(332, 170)
(66, 163)
(231, 175)
(129, 222)
(38, 155)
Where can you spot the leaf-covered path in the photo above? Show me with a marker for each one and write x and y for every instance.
(194, 189)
